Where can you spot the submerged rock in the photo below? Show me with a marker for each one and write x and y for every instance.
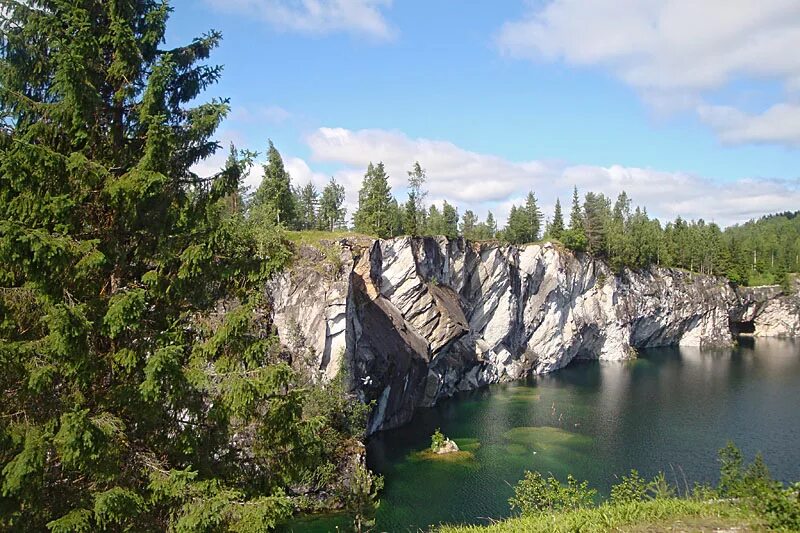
(414, 320)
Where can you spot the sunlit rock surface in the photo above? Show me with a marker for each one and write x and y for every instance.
(767, 312)
(414, 320)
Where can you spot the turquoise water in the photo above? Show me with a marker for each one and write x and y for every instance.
(669, 410)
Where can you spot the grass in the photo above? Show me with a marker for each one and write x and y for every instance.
(460, 456)
(668, 514)
(314, 237)
(326, 243)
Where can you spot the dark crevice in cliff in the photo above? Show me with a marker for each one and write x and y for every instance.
(746, 326)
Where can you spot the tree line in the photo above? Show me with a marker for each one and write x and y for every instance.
(762, 251)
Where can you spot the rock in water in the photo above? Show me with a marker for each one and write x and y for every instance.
(414, 320)
(448, 447)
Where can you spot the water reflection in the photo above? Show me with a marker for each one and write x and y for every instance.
(669, 410)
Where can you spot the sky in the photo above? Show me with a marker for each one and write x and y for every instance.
(692, 108)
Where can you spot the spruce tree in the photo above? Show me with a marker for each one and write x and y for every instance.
(331, 212)
(517, 229)
(434, 221)
(307, 203)
(376, 213)
(557, 225)
(274, 201)
(469, 225)
(396, 218)
(120, 395)
(621, 250)
(576, 214)
(414, 216)
(575, 237)
(534, 218)
(596, 217)
(491, 225)
(449, 220)
(410, 215)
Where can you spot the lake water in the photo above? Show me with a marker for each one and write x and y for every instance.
(669, 410)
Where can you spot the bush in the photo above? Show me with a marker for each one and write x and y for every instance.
(731, 475)
(574, 240)
(632, 488)
(437, 440)
(779, 506)
(659, 487)
(534, 494)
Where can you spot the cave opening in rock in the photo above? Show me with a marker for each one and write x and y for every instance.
(743, 328)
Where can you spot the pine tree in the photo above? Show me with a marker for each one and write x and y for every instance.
(119, 400)
(331, 212)
(274, 201)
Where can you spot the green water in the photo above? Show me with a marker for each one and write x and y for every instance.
(669, 410)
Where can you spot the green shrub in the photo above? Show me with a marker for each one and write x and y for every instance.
(437, 440)
(731, 473)
(632, 488)
(659, 487)
(778, 505)
(534, 494)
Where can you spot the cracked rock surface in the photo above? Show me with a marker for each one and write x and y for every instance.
(414, 320)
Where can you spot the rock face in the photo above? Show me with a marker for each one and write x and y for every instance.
(414, 320)
(766, 312)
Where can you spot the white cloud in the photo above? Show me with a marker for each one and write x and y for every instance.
(482, 182)
(779, 123)
(672, 51)
(460, 175)
(316, 17)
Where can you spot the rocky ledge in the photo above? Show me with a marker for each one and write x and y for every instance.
(413, 320)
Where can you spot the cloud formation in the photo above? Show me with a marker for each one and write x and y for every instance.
(484, 182)
(316, 17)
(671, 51)
(778, 124)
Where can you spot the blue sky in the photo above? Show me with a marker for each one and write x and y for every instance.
(694, 110)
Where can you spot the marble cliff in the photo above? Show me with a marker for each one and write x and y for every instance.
(414, 320)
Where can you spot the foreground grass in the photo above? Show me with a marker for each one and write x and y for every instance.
(670, 514)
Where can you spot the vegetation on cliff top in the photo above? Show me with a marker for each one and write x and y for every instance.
(760, 252)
